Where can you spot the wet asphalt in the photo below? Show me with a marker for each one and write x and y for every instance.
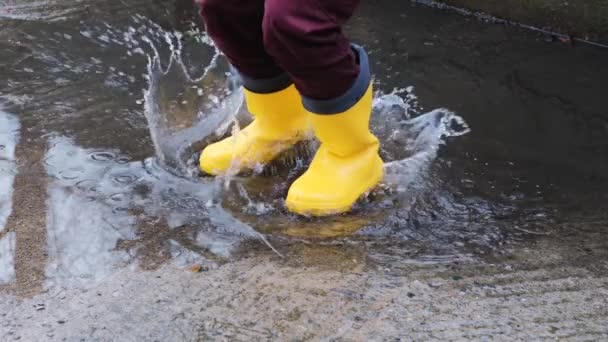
(506, 240)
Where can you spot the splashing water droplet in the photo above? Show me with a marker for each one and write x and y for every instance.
(102, 156)
(120, 210)
(125, 178)
(118, 197)
(87, 185)
(122, 160)
(71, 174)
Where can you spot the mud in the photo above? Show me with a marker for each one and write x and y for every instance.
(28, 220)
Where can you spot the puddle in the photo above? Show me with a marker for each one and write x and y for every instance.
(84, 224)
(9, 137)
(108, 210)
(7, 258)
(119, 105)
(109, 213)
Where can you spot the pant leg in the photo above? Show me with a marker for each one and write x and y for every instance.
(305, 37)
(236, 28)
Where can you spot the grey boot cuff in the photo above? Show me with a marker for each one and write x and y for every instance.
(266, 85)
(352, 96)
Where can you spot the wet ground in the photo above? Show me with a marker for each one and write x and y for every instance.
(490, 224)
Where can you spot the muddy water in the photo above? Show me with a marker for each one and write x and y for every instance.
(493, 137)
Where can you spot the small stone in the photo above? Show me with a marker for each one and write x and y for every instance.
(196, 268)
(294, 314)
(318, 292)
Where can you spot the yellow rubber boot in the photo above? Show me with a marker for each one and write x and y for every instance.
(280, 121)
(345, 167)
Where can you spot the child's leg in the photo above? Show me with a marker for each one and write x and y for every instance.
(280, 118)
(306, 39)
(236, 28)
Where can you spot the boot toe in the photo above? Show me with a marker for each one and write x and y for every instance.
(333, 185)
(308, 196)
(215, 159)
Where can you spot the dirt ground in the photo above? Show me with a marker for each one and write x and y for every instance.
(537, 297)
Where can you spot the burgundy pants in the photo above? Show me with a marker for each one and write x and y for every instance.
(273, 42)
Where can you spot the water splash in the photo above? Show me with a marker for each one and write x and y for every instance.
(422, 137)
(181, 109)
(184, 113)
(157, 208)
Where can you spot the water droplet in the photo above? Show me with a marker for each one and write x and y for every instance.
(87, 184)
(117, 197)
(189, 203)
(102, 156)
(125, 178)
(70, 174)
(122, 160)
(120, 210)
